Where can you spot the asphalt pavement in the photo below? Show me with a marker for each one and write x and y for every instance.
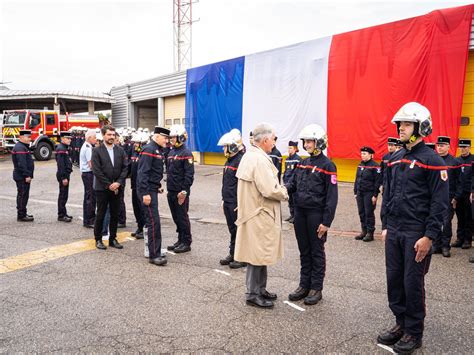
(114, 301)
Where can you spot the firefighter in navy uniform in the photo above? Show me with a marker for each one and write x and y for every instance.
(63, 174)
(392, 147)
(463, 202)
(150, 174)
(416, 200)
(179, 180)
(275, 155)
(290, 167)
(234, 151)
(366, 191)
(23, 169)
(136, 140)
(314, 186)
(441, 244)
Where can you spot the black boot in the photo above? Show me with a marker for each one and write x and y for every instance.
(237, 264)
(298, 294)
(446, 252)
(227, 260)
(407, 344)
(391, 336)
(314, 296)
(361, 235)
(457, 244)
(368, 237)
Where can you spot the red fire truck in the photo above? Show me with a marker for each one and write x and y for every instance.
(45, 128)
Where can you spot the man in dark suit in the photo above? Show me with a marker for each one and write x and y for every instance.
(110, 168)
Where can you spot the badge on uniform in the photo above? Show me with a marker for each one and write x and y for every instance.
(361, 169)
(412, 165)
(444, 175)
(334, 179)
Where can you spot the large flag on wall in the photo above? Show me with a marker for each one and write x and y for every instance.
(351, 84)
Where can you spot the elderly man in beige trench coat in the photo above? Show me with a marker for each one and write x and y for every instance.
(259, 195)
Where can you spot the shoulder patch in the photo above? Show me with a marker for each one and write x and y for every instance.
(444, 175)
(334, 179)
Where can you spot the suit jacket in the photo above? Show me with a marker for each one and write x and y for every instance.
(104, 172)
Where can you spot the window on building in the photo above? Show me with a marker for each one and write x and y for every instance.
(168, 122)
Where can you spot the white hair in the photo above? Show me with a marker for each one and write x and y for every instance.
(90, 133)
(261, 131)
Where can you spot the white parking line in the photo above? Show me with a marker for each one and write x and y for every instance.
(166, 251)
(222, 272)
(388, 348)
(294, 306)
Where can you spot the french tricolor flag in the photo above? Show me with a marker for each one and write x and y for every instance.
(351, 84)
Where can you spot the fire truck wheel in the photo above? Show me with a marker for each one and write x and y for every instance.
(43, 151)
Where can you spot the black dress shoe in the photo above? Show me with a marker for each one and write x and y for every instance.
(466, 245)
(268, 295)
(139, 235)
(457, 244)
(25, 219)
(291, 220)
(29, 215)
(121, 225)
(90, 226)
(361, 235)
(237, 264)
(64, 219)
(298, 294)
(160, 261)
(368, 237)
(314, 296)
(100, 245)
(114, 244)
(390, 336)
(173, 247)
(446, 252)
(182, 248)
(407, 344)
(138, 231)
(68, 216)
(259, 301)
(227, 260)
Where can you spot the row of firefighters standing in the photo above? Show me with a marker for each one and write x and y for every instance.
(414, 209)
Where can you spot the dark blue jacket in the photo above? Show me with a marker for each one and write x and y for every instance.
(23, 165)
(290, 167)
(150, 169)
(275, 155)
(383, 166)
(314, 186)
(454, 169)
(464, 181)
(133, 164)
(63, 161)
(368, 178)
(229, 180)
(180, 170)
(416, 195)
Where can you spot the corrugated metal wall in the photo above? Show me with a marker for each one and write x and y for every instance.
(163, 86)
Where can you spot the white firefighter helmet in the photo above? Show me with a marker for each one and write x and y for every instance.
(145, 138)
(316, 133)
(232, 140)
(99, 136)
(180, 133)
(136, 138)
(416, 113)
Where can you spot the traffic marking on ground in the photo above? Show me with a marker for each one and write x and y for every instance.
(388, 348)
(222, 272)
(294, 306)
(22, 261)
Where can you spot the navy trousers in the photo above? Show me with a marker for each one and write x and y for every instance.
(88, 205)
(230, 217)
(62, 198)
(123, 209)
(22, 196)
(443, 239)
(312, 253)
(180, 217)
(106, 199)
(465, 222)
(138, 210)
(366, 211)
(406, 280)
(153, 226)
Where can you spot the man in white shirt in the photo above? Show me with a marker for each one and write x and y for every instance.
(85, 165)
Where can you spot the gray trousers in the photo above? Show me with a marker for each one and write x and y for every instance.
(256, 280)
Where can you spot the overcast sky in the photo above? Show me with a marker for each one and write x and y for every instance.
(96, 44)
